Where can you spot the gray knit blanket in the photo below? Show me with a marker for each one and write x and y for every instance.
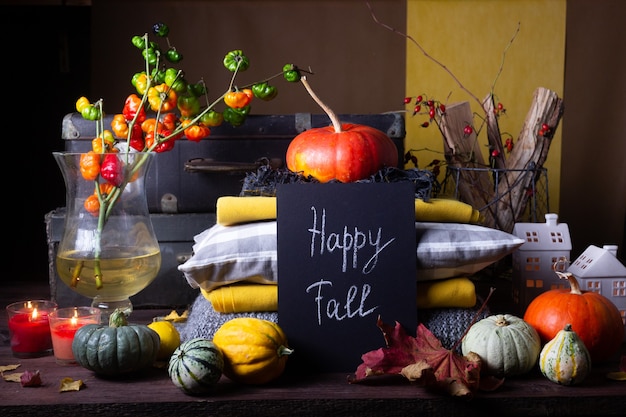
(203, 320)
(447, 324)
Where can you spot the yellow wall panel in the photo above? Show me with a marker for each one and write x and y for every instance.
(472, 38)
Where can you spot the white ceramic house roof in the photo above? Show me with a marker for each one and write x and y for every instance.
(596, 262)
(550, 235)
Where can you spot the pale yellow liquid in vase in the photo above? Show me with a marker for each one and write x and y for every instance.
(122, 276)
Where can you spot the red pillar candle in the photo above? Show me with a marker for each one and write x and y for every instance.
(64, 323)
(29, 328)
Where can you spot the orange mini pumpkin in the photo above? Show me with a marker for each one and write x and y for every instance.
(595, 318)
(350, 153)
(345, 152)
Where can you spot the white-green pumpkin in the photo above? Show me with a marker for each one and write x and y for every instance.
(506, 344)
(565, 359)
(196, 366)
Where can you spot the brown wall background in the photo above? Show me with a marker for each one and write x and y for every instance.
(59, 50)
(593, 166)
(357, 68)
(360, 68)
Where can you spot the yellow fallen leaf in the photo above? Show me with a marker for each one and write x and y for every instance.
(173, 316)
(4, 368)
(14, 377)
(617, 376)
(68, 384)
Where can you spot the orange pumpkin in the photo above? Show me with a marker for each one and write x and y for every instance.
(352, 153)
(595, 318)
(345, 152)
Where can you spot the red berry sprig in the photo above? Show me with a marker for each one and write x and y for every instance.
(499, 109)
(508, 144)
(435, 108)
(545, 130)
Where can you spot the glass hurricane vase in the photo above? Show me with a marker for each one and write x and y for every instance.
(108, 251)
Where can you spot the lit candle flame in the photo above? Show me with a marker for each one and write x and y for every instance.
(74, 320)
(34, 314)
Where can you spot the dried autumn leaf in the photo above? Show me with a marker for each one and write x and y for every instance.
(390, 360)
(617, 376)
(174, 317)
(68, 384)
(410, 356)
(4, 368)
(30, 379)
(455, 388)
(419, 372)
(14, 377)
(447, 363)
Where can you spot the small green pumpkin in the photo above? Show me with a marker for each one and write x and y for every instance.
(196, 366)
(118, 348)
(506, 344)
(565, 359)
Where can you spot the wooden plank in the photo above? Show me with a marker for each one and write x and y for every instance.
(530, 152)
(501, 195)
(463, 151)
(493, 133)
(153, 394)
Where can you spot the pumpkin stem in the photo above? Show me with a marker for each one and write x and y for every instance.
(573, 282)
(333, 117)
(118, 318)
(501, 321)
(284, 351)
(475, 318)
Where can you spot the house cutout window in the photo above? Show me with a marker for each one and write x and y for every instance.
(557, 237)
(533, 263)
(534, 283)
(532, 236)
(619, 288)
(593, 285)
(583, 261)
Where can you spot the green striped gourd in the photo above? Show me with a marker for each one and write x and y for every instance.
(196, 366)
(565, 359)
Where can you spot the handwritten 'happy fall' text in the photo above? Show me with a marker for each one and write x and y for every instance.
(360, 251)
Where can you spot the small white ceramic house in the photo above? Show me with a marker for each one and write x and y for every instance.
(598, 269)
(533, 262)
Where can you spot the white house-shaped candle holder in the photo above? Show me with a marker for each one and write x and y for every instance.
(533, 262)
(598, 269)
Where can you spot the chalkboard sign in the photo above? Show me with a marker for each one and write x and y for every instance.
(346, 256)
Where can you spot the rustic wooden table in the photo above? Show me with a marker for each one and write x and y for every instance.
(153, 394)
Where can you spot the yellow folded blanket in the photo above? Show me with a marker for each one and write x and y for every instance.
(241, 298)
(453, 292)
(232, 210)
(445, 210)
